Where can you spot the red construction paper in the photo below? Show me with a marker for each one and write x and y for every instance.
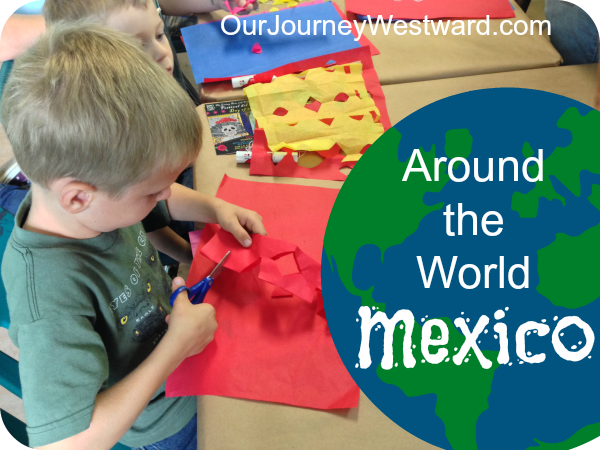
(433, 9)
(264, 252)
(267, 348)
(262, 164)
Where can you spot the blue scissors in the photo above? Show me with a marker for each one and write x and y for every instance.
(197, 292)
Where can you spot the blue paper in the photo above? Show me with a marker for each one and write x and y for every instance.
(214, 54)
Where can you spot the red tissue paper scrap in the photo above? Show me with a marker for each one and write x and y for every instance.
(433, 9)
(329, 169)
(271, 345)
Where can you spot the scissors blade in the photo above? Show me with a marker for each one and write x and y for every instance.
(217, 270)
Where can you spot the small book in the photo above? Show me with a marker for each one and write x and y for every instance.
(231, 126)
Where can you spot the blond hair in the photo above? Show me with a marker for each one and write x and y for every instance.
(86, 102)
(96, 10)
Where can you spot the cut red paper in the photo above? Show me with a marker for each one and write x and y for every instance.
(256, 48)
(237, 9)
(262, 163)
(264, 252)
(267, 347)
(433, 9)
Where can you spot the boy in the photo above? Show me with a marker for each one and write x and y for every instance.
(88, 300)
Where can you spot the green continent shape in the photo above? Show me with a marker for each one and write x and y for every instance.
(581, 437)
(568, 268)
(382, 209)
(565, 163)
(462, 391)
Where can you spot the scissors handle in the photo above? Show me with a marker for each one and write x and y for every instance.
(196, 293)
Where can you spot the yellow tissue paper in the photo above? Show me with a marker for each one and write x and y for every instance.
(313, 135)
(354, 157)
(279, 2)
(292, 3)
(274, 9)
(280, 108)
(263, 1)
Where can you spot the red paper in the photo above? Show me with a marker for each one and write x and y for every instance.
(262, 164)
(266, 347)
(265, 251)
(433, 9)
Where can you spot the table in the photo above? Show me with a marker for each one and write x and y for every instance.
(411, 58)
(228, 423)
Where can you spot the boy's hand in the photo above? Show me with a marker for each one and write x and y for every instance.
(240, 222)
(191, 327)
(236, 3)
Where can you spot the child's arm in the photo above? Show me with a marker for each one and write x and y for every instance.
(18, 34)
(187, 204)
(188, 7)
(191, 329)
(170, 243)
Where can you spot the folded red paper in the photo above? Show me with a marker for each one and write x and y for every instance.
(272, 344)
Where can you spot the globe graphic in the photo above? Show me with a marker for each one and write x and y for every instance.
(383, 237)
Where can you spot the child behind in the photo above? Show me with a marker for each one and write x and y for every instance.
(88, 299)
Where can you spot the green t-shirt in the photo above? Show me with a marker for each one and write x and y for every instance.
(84, 314)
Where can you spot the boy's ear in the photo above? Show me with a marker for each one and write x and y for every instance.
(76, 197)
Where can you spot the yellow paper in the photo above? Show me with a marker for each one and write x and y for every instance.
(280, 2)
(320, 84)
(355, 121)
(274, 9)
(313, 135)
(292, 3)
(263, 1)
(354, 157)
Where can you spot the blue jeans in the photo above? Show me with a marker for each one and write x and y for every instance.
(186, 439)
(572, 32)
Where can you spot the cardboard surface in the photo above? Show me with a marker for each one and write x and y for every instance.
(576, 82)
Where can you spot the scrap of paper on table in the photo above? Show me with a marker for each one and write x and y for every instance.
(271, 345)
(433, 9)
(229, 56)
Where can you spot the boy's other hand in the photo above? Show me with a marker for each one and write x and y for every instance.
(191, 327)
(236, 3)
(240, 222)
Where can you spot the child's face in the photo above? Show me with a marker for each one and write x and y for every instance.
(106, 213)
(145, 24)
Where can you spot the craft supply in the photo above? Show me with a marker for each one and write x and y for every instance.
(271, 344)
(198, 291)
(245, 157)
(324, 108)
(433, 9)
(231, 126)
(227, 56)
(329, 169)
(256, 48)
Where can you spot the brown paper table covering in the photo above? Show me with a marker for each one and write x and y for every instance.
(227, 423)
(411, 58)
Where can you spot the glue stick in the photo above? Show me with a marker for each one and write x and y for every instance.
(245, 157)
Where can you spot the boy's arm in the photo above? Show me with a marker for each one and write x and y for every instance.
(170, 243)
(189, 7)
(189, 205)
(18, 34)
(191, 329)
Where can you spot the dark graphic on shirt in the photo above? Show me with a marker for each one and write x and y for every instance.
(145, 320)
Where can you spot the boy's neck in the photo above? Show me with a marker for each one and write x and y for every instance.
(49, 218)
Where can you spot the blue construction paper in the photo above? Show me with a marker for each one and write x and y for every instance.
(214, 54)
